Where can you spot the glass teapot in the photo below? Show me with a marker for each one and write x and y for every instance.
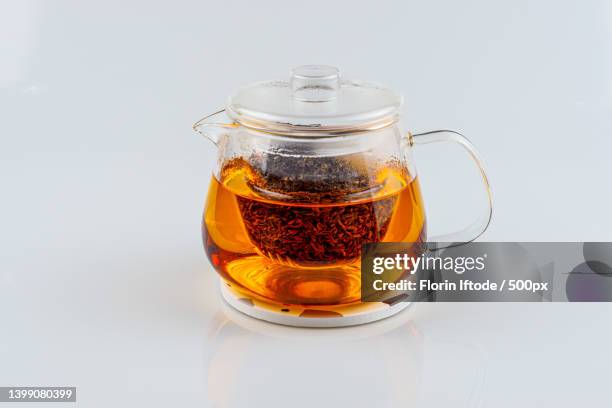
(309, 170)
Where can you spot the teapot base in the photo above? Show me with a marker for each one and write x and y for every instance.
(309, 316)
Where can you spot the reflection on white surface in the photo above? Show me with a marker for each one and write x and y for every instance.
(254, 363)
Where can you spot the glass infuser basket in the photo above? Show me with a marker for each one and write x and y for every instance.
(307, 171)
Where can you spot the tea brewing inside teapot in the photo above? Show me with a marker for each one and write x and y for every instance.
(308, 171)
(289, 215)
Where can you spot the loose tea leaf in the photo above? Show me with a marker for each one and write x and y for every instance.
(315, 223)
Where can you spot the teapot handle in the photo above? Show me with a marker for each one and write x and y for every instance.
(212, 130)
(478, 227)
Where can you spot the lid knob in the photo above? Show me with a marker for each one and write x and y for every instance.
(315, 83)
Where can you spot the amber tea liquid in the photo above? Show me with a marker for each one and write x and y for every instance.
(295, 240)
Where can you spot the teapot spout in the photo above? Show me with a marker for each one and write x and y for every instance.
(211, 129)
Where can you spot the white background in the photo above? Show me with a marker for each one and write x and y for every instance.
(103, 281)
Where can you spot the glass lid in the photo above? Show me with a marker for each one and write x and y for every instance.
(314, 100)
